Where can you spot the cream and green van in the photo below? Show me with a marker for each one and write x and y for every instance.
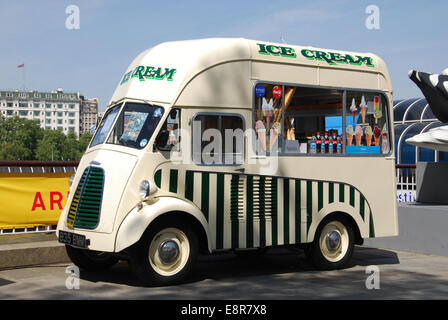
(232, 144)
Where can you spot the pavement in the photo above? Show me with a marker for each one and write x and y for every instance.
(279, 274)
(21, 250)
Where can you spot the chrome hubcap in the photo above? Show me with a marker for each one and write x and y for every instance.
(168, 251)
(333, 241)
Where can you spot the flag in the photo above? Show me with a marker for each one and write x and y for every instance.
(21, 65)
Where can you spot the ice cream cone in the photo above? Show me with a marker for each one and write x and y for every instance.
(273, 138)
(358, 139)
(369, 139)
(349, 139)
(274, 133)
(358, 135)
(377, 141)
(363, 115)
(354, 116)
(262, 136)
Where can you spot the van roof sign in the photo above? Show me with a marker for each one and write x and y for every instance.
(147, 72)
(331, 58)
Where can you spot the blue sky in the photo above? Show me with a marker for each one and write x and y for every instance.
(112, 33)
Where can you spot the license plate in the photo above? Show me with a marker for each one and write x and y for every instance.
(73, 239)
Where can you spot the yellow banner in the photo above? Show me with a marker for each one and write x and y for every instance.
(29, 200)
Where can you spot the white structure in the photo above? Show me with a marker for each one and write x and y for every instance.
(56, 110)
(88, 114)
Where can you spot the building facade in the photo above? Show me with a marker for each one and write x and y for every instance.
(88, 114)
(412, 117)
(56, 110)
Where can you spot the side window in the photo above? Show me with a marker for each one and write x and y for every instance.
(367, 129)
(172, 126)
(218, 139)
(268, 117)
(313, 121)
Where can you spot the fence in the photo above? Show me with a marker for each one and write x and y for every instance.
(406, 184)
(30, 169)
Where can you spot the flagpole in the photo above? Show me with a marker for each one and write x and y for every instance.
(23, 75)
(24, 78)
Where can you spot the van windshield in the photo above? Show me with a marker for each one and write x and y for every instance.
(133, 127)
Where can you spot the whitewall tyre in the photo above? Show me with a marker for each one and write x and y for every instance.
(333, 245)
(165, 255)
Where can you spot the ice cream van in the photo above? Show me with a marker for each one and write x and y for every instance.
(238, 145)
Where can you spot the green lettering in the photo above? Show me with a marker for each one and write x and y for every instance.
(138, 72)
(149, 73)
(307, 54)
(321, 55)
(288, 52)
(367, 60)
(262, 49)
(169, 74)
(271, 50)
(336, 57)
(349, 59)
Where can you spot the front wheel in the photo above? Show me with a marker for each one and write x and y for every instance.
(166, 254)
(333, 245)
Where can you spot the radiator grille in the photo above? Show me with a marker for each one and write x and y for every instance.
(85, 208)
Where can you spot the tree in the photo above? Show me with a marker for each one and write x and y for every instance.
(50, 147)
(84, 141)
(18, 138)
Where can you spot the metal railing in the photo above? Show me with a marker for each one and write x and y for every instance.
(31, 166)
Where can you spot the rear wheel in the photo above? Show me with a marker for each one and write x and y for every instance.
(91, 260)
(166, 254)
(333, 245)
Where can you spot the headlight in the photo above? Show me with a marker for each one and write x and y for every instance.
(70, 180)
(144, 189)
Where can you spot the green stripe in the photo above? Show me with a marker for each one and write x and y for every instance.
(262, 213)
(234, 210)
(158, 178)
(309, 204)
(249, 213)
(205, 185)
(220, 211)
(320, 195)
(189, 185)
(274, 215)
(173, 180)
(352, 196)
(331, 192)
(298, 211)
(341, 192)
(371, 227)
(286, 211)
(361, 206)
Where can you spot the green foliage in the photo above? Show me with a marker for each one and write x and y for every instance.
(22, 139)
(18, 138)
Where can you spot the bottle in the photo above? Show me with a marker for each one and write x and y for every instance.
(330, 145)
(326, 143)
(334, 144)
(313, 144)
(339, 145)
(318, 143)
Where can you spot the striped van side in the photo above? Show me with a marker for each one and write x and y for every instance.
(248, 211)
